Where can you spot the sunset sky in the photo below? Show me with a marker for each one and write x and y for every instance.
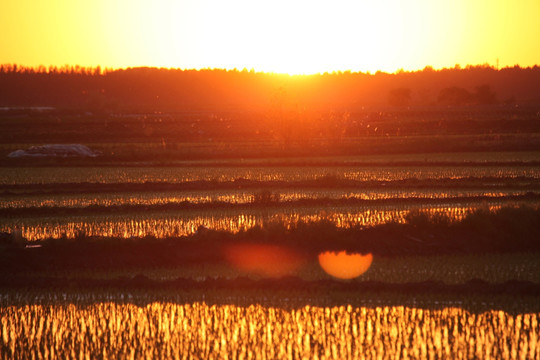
(293, 36)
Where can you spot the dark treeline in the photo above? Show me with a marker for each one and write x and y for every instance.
(142, 89)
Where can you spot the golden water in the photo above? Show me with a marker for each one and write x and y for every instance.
(172, 330)
(239, 196)
(185, 223)
(42, 175)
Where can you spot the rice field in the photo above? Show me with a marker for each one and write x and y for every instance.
(288, 203)
(243, 196)
(68, 323)
(178, 223)
(162, 329)
(108, 175)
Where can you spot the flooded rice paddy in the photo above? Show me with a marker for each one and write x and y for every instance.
(121, 329)
(234, 209)
(178, 223)
(243, 196)
(49, 175)
(53, 324)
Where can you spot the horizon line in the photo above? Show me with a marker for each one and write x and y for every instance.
(101, 70)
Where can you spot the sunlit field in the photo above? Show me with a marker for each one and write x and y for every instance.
(420, 255)
(247, 196)
(137, 201)
(103, 311)
(182, 174)
(181, 223)
(165, 330)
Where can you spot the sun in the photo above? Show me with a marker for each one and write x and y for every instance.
(343, 265)
(293, 37)
(305, 37)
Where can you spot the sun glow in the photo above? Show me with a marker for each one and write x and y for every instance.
(297, 37)
(263, 259)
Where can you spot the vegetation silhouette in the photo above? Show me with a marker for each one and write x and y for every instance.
(483, 95)
(228, 111)
(98, 90)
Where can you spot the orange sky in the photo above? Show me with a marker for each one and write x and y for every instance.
(295, 36)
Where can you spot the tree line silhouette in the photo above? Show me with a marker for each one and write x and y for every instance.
(159, 89)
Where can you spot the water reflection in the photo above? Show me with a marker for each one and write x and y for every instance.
(181, 174)
(241, 196)
(170, 330)
(343, 265)
(176, 224)
(263, 259)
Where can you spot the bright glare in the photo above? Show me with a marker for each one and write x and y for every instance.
(297, 37)
(345, 266)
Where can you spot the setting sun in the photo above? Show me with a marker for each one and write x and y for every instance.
(298, 37)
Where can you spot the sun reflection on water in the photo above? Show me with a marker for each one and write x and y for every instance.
(263, 259)
(238, 197)
(343, 265)
(43, 175)
(179, 224)
(198, 330)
